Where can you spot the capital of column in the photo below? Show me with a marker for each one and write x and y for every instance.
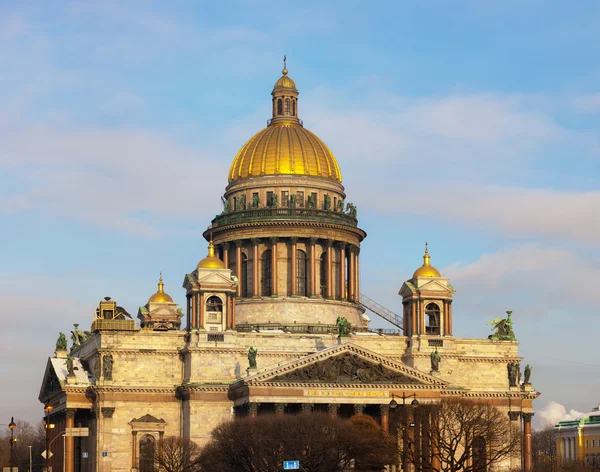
(255, 241)
(307, 407)
(341, 244)
(108, 411)
(359, 408)
(280, 408)
(253, 408)
(313, 240)
(353, 248)
(239, 242)
(330, 242)
(225, 246)
(384, 409)
(333, 408)
(294, 239)
(274, 240)
(70, 412)
(514, 415)
(527, 417)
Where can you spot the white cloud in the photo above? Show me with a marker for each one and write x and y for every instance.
(538, 280)
(587, 103)
(554, 412)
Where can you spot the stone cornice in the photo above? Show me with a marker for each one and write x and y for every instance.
(349, 386)
(462, 358)
(126, 389)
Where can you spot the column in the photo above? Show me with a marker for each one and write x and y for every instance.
(232, 312)
(405, 315)
(421, 317)
(352, 270)
(188, 311)
(413, 317)
(333, 408)
(238, 265)
(359, 408)
(449, 330)
(313, 268)
(342, 274)
(329, 278)
(228, 312)
(194, 310)
(274, 291)
(294, 266)
(280, 408)
(134, 451)
(253, 409)
(201, 312)
(70, 441)
(255, 243)
(161, 437)
(226, 255)
(105, 442)
(385, 417)
(356, 275)
(527, 441)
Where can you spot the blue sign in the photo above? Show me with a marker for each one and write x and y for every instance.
(291, 465)
(84, 455)
(104, 453)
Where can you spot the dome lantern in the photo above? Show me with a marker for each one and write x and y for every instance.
(285, 98)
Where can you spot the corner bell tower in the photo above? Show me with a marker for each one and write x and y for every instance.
(427, 302)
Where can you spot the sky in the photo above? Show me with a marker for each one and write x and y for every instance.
(471, 125)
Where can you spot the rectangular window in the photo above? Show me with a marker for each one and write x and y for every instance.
(285, 199)
(313, 197)
(587, 444)
(593, 443)
(300, 199)
(269, 199)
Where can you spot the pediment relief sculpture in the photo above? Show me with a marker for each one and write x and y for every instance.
(345, 369)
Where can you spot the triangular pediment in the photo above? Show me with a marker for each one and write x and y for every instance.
(50, 384)
(214, 277)
(345, 364)
(435, 286)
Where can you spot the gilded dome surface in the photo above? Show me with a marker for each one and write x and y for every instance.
(285, 148)
(160, 296)
(426, 270)
(285, 82)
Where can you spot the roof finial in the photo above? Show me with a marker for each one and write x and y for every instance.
(211, 247)
(160, 284)
(426, 258)
(284, 71)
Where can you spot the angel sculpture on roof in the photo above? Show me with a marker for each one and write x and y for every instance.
(503, 328)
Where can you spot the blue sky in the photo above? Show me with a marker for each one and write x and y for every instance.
(471, 125)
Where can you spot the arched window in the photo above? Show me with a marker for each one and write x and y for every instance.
(265, 281)
(214, 310)
(279, 107)
(147, 451)
(432, 319)
(287, 106)
(244, 275)
(323, 278)
(294, 107)
(301, 273)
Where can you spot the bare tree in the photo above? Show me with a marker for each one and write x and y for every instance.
(465, 436)
(178, 455)
(26, 435)
(544, 450)
(320, 442)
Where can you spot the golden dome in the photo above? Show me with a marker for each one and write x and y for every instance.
(426, 270)
(211, 261)
(285, 148)
(285, 82)
(160, 296)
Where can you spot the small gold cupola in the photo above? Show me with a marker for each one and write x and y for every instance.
(211, 261)
(426, 270)
(160, 296)
(285, 99)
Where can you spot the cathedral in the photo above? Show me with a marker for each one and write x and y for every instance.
(274, 322)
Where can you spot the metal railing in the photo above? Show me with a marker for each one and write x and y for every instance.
(261, 214)
(380, 310)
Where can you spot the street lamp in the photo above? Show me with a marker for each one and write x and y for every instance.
(48, 426)
(12, 425)
(414, 404)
